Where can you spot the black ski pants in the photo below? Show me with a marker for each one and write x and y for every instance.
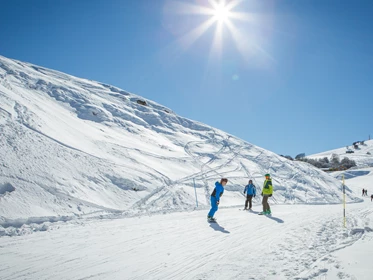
(249, 199)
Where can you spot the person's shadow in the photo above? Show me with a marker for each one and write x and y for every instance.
(275, 219)
(217, 227)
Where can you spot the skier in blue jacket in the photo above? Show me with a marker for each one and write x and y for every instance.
(215, 198)
(250, 191)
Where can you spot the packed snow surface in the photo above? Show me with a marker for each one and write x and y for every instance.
(296, 242)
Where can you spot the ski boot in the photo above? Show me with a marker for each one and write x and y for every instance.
(211, 219)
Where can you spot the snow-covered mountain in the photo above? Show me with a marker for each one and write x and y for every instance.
(361, 153)
(74, 147)
(76, 150)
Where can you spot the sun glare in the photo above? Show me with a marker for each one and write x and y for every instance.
(221, 13)
(222, 16)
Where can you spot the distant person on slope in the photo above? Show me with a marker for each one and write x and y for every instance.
(215, 198)
(363, 192)
(371, 197)
(250, 191)
(366, 192)
(266, 193)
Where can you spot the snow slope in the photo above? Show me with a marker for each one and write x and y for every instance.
(94, 185)
(74, 148)
(363, 155)
(297, 242)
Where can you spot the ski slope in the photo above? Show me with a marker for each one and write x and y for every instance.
(297, 242)
(74, 148)
(97, 184)
(363, 155)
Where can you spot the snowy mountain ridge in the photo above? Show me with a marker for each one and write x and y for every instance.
(71, 147)
(361, 153)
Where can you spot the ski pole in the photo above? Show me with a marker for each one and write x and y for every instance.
(195, 191)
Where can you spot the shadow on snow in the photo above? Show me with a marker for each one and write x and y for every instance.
(217, 227)
(280, 221)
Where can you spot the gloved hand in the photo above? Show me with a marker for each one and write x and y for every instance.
(217, 202)
(270, 195)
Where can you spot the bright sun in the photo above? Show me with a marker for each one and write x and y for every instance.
(221, 13)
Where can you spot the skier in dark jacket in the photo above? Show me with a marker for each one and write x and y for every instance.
(371, 197)
(215, 198)
(250, 191)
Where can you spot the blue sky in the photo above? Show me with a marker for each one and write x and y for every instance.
(298, 79)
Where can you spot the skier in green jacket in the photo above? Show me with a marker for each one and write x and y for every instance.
(266, 193)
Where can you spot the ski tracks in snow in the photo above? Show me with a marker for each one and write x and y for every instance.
(298, 242)
(331, 236)
(163, 193)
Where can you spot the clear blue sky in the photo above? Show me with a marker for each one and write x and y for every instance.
(299, 80)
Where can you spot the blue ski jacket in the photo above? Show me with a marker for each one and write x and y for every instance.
(250, 190)
(218, 191)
